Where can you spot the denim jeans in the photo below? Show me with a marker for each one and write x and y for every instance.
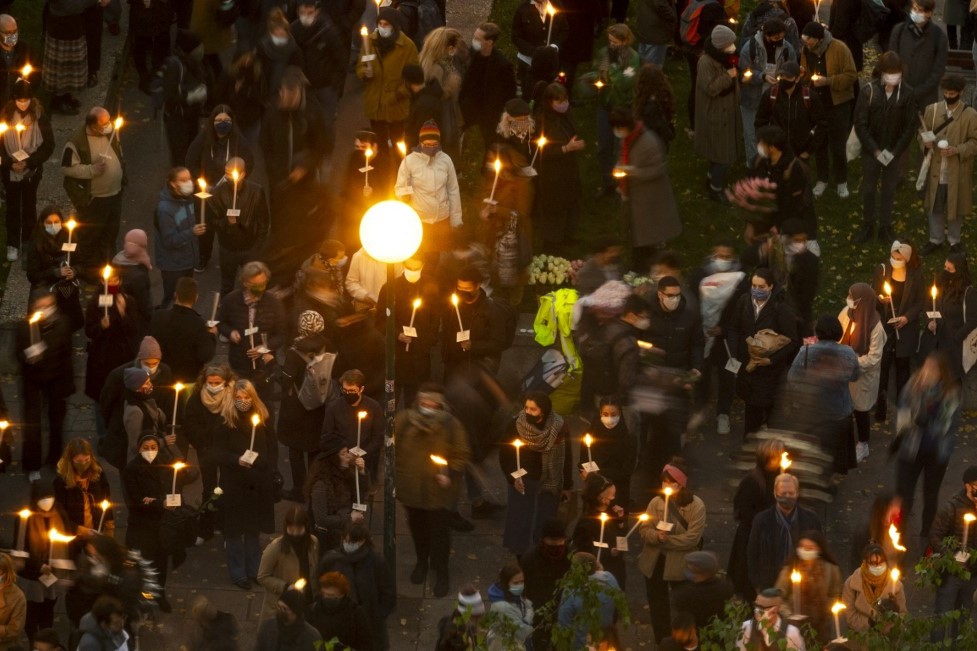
(749, 132)
(243, 556)
(953, 594)
(652, 53)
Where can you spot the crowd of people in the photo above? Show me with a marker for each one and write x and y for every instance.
(290, 351)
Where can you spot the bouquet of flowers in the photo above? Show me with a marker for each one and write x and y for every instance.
(549, 270)
(635, 280)
(754, 194)
(575, 266)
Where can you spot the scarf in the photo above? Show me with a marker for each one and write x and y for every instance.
(786, 543)
(546, 441)
(872, 585)
(214, 404)
(862, 320)
(639, 128)
(28, 140)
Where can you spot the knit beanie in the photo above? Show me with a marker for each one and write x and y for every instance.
(134, 378)
(310, 323)
(813, 29)
(392, 16)
(22, 90)
(517, 107)
(429, 131)
(295, 601)
(149, 349)
(469, 597)
(722, 37)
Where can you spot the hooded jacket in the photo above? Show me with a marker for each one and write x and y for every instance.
(95, 638)
(519, 611)
(176, 244)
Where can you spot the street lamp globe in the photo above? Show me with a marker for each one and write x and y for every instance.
(390, 231)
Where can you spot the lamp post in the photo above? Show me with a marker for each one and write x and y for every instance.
(390, 232)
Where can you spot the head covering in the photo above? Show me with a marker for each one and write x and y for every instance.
(310, 323)
(905, 249)
(702, 562)
(793, 226)
(770, 597)
(676, 473)
(392, 16)
(790, 69)
(813, 29)
(331, 444)
(863, 318)
(554, 528)
(611, 296)
(970, 475)
(469, 597)
(722, 37)
(429, 131)
(135, 250)
(517, 107)
(187, 41)
(41, 489)
(413, 74)
(22, 90)
(147, 435)
(295, 601)
(134, 378)
(149, 349)
(953, 82)
(367, 136)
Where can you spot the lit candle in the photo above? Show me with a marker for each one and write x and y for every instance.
(518, 444)
(835, 609)
(540, 144)
(359, 426)
(552, 13)
(22, 530)
(177, 388)
(402, 147)
(600, 547)
(795, 579)
(255, 419)
(747, 73)
(203, 195)
(815, 77)
(105, 504)
(785, 462)
(668, 493)
(35, 328)
(933, 294)
(599, 84)
(641, 520)
(213, 312)
(894, 535)
(888, 292)
(26, 70)
(70, 225)
(588, 440)
(118, 125)
(894, 575)
(619, 173)
(413, 312)
(54, 537)
(498, 168)
(365, 33)
(234, 177)
(441, 463)
(106, 273)
(176, 468)
(968, 519)
(19, 129)
(356, 477)
(300, 584)
(454, 301)
(366, 169)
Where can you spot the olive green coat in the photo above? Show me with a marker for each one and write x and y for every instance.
(418, 437)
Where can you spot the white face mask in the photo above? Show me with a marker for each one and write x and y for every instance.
(850, 302)
(107, 129)
(149, 369)
(385, 32)
(411, 275)
(721, 264)
(45, 503)
(149, 455)
(761, 150)
(306, 20)
(185, 188)
(897, 264)
(877, 570)
(917, 17)
(643, 323)
(610, 422)
(670, 303)
(476, 45)
(796, 247)
(279, 40)
(807, 554)
(731, 49)
(891, 80)
(52, 229)
(214, 390)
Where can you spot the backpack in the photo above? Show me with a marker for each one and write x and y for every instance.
(510, 319)
(805, 95)
(689, 22)
(596, 353)
(872, 18)
(317, 386)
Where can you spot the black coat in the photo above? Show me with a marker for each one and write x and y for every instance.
(952, 328)
(361, 347)
(764, 552)
(371, 586)
(542, 575)
(22, 55)
(248, 503)
(487, 327)
(885, 123)
(587, 532)
(325, 53)
(912, 305)
(413, 362)
(184, 339)
(137, 284)
(269, 318)
(426, 104)
(802, 286)
(583, 20)
(207, 155)
(489, 83)
(70, 502)
(345, 621)
(54, 365)
(760, 386)
(529, 30)
(306, 127)
(250, 228)
(615, 452)
(299, 427)
(703, 600)
(141, 480)
(677, 334)
(109, 347)
(115, 445)
(202, 427)
(754, 494)
(794, 191)
(949, 523)
(273, 60)
(800, 113)
(340, 419)
(35, 162)
(270, 638)
(558, 182)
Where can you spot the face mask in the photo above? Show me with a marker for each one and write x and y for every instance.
(279, 40)
(351, 547)
(897, 264)
(342, 262)
(52, 229)
(917, 17)
(670, 303)
(787, 502)
(761, 150)
(850, 302)
(428, 411)
(787, 84)
(23, 104)
(431, 150)
(643, 323)
(149, 455)
(468, 297)
(45, 503)
(256, 290)
(243, 404)
(331, 602)
(554, 551)
(476, 45)
(620, 133)
(385, 32)
(951, 101)
(796, 247)
(891, 80)
(807, 554)
(149, 369)
(412, 276)
(731, 49)
(223, 128)
(214, 390)
(561, 107)
(517, 588)
(10, 40)
(759, 294)
(610, 422)
(185, 188)
(107, 129)
(307, 21)
(351, 396)
(877, 570)
(721, 264)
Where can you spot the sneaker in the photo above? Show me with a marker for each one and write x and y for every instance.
(819, 188)
(722, 424)
(419, 574)
(843, 190)
(931, 247)
(11, 253)
(861, 451)
(244, 584)
(33, 476)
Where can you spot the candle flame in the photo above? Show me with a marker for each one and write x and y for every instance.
(56, 536)
(933, 291)
(603, 516)
(454, 300)
(105, 504)
(668, 491)
(588, 439)
(969, 517)
(815, 77)
(645, 345)
(599, 84)
(497, 165)
(20, 127)
(643, 517)
(3, 127)
(26, 71)
(837, 607)
(732, 21)
(747, 74)
(118, 122)
(178, 387)
(550, 9)
(795, 577)
(888, 288)
(417, 303)
(895, 574)
(235, 175)
(361, 415)
(106, 272)
(24, 513)
(785, 461)
(179, 465)
(541, 141)
(368, 153)
(518, 443)
(35, 317)
(895, 535)
(4, 424)
(202, 183)
(70, 225)
(441, 461)
(255, 419)
(620, 174)
(363, 31)
(402, 147)
(300, 584)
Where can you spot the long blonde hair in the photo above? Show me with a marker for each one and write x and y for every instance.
(259, 406)
(435, 51)
(7, 567)
(66, 469)
(226, 409)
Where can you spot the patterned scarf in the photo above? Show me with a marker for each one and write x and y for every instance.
(873, 585)
(622, 182)
(545, 440)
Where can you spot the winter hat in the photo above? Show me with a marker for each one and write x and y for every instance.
(134, 378)
(611, 296)
(392, 16)
(143, 437)
(970, 475)
(40, 490)
(722, 37)
(413, 74)
(554, 528)
(149, 349)
(790, 69)
(295, 601)
(702, 563)
(187, 41)
(22, 90)
(904, 248)
(310, 323)
(517, 107)
(135, 250)
(429, 131)
(813, 29)
(469, 597)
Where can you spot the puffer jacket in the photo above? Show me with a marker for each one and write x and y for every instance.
(175, 244)
(432, 185)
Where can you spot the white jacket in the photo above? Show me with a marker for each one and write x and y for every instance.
(432, 185)
(865, 390)
(366, 276)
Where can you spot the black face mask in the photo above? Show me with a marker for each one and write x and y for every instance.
(468, 297)
(351, 397)
(535, 420)
(787, 84)
(951, 101)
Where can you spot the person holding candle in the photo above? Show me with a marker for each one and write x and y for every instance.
(476, 314)
(820, 583)
(870, 586)
(47, 378)
(288, 558)
(717, 124)
(767, 629)
(865, 334)
(79, 489)
(534, 27)
(614, 448)
(343, 418)
(510, 604)
(885, 512)
(599, 498)
(239, 237)
(762, 56)
(900, 310)
(113, 339)
(330, 490)
(21, 175)
(957, 308)
(247, 506)
(793, 106)
(177, 231)
(18, 54)
(44, 516)
(184, 338)
(662, 558)
(133, 265)
(489, 83)
(616, 67)
(13, 605)
(558, 184)
(428, 492)
(46, 265)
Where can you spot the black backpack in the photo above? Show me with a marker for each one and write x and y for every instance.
(596, 353)
(871, 18)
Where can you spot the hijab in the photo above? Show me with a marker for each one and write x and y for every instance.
(135, 250)
(863, 317)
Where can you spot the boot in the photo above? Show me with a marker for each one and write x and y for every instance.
(419, 574)
(881, 408)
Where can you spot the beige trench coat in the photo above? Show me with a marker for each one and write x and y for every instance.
(679, 542)
(859, 611)
(962, 134)
(865, 390)
(278, 570)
